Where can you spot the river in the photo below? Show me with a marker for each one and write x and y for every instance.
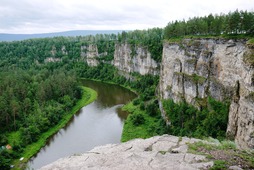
(98, 123)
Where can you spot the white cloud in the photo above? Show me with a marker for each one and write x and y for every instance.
(37, 16)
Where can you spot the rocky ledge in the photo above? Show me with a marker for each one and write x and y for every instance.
(159, 152)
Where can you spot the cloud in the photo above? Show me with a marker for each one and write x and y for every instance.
(37, 16)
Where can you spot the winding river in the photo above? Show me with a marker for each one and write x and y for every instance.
(98, 123)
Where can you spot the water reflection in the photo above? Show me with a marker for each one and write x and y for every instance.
(99, 123)
(121, 114)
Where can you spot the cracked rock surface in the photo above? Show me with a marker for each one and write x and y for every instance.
(159, 152)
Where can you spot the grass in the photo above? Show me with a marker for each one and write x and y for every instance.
(195, 78)
(176, 40)
(219, 165)
(145, 130)
(89, 95)
(248, 57)
(224, 154)
(250, 42)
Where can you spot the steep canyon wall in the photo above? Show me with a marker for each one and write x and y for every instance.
(195, 69)
(127, 59)
(90, 54)
(137, 60)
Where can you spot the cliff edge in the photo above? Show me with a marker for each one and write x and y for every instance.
(159, 152)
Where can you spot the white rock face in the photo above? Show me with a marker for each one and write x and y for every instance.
(216, 68)
(52, 59)
(160, 152)
(90, 54)
(137, 60)
(64, 51)
(53, 53)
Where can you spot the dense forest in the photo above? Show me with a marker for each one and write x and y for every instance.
(237, 22)
(186, 120)
(42, 92)
(31, 102)
(22, 54)
(39, 82)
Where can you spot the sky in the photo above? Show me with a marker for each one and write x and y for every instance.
(44, 16)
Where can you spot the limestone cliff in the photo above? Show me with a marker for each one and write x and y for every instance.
(134, 59)
(196, 69)
(53, 55)
(90, 54)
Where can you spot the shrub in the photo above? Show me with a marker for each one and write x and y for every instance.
(136, 101)
(137, 119)
(152, 109)
(142, 106)
(3, 140)
(5, 160)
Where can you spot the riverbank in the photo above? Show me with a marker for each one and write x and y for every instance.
(140, 124)
(114, 83)
(88, 96)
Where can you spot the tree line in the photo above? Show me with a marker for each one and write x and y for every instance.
(237, 22)
(27, 53)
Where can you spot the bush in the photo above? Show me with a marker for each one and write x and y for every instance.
(142, 106)
(3, 140)
(30, 134)
(137, 119)
(136, 101)
(5, 160)
(152, 109)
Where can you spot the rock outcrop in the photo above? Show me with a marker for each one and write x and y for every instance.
(134, 59)
(54, 57)
(160, 152)
(196, 69)
(90, 54)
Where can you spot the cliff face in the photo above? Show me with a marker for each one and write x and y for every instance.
(196, 69)
(126, 59)
(90, 54)
(137, 60)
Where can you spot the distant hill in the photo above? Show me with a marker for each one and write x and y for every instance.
(18, 37)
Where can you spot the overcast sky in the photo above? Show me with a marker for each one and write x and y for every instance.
(43, 16)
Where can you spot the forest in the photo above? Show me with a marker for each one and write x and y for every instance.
(39, 82)
(233, 23)
(186, 120)
(31, 102)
